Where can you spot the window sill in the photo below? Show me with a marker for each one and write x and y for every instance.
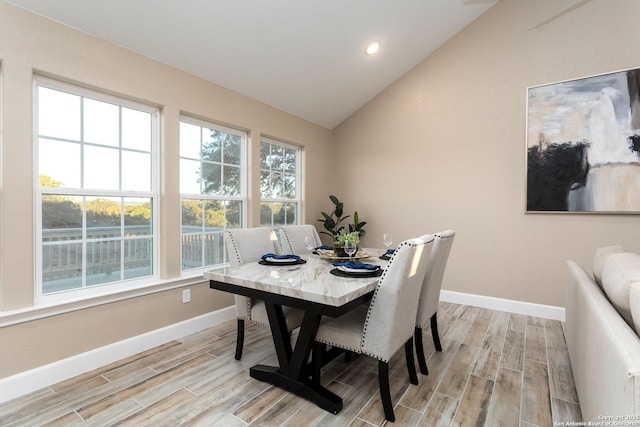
(43, 310)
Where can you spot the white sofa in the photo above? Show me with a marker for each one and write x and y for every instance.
(602, 317)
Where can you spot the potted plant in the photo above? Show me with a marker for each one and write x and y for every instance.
(341, 238)
(331, 221)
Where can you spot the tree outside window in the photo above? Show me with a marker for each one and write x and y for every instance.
(279, 178)
(212, 189)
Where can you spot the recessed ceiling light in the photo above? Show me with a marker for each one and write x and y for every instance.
(372, 48)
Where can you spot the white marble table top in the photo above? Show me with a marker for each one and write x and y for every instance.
(311, 281)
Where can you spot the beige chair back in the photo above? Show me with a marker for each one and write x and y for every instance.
(248, 245)
(430, 294)
(391, 316)
(292, 238)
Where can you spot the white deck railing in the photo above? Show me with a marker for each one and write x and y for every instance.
(107, 252)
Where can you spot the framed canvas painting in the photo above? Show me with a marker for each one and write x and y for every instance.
(583, 145)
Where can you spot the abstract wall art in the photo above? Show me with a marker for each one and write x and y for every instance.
(583, 145)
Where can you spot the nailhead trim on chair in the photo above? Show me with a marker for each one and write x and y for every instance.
(286, 235)
(235, 248)
(249, 305)
(239, 259)
(355, 350)
(237, 253)
(366, 321)
(373, 300)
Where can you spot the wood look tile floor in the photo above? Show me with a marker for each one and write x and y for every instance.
(496, 369)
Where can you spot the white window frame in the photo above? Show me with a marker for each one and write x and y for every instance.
(298, 199)
(91, 291)
(242, 198)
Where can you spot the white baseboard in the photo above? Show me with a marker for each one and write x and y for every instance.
(518, 307)
(43, 376)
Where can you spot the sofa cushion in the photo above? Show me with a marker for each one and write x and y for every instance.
(601, 255)
(634, 304)
(620, 273)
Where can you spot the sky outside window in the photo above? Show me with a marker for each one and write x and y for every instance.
(86, 143)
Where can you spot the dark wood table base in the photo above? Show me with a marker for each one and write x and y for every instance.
(295, 373)
(304, 388)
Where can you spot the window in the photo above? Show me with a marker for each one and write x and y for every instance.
(95, 188)
(279, 178)
(212, 189)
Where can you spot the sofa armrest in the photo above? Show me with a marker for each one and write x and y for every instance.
(603, 349)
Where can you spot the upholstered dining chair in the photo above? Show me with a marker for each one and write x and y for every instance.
(292, 238)
(248, 245)
(430, 294)
(379, 329)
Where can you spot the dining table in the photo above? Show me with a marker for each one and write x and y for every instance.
(313, 285)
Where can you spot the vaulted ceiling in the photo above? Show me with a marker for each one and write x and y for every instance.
(305, 57)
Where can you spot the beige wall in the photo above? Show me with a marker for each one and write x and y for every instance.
(28, 44)
(444, 147)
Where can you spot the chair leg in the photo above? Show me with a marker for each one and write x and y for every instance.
(348, 356)
(385, 391)
(411, 364)
(240, 339)
(434, 332)
(422, 362)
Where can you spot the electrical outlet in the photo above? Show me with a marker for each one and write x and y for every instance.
(186, 296)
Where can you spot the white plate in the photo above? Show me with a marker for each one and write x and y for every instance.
(356, 270)
(282, 260)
